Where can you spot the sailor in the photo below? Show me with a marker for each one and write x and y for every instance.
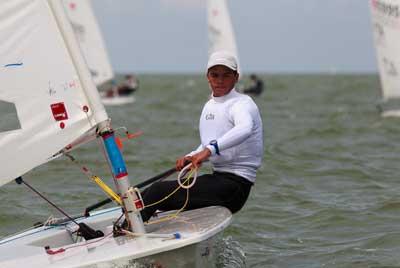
(129, 86)
(256, 87)
(113, 90)
(231, 139)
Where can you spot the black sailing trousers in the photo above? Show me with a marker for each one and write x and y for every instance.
(217, 189)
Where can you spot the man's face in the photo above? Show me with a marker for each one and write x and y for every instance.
(221, 79)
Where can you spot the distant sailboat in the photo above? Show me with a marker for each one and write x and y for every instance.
(88, 33)
(220, 30)
(44, 76)
(385, 16)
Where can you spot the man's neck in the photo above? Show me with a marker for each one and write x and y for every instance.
(224, 97)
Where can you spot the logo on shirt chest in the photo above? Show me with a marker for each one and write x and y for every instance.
(210, 116)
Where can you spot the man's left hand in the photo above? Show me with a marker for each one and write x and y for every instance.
(198, 158)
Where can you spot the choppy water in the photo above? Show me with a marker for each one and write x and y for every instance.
(327, 195)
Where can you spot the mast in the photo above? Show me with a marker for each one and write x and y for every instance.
(130, 200)
(129, 197)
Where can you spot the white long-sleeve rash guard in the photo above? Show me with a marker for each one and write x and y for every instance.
(234, 121)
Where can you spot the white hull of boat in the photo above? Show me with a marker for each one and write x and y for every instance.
(199, 229)
(201, 255)
(120, 100)
(391, 113)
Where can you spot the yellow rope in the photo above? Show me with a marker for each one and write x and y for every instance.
(106, 189)
(174, 191)
(117, 198)
(170, 217)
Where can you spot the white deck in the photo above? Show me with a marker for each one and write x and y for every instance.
(196, 227)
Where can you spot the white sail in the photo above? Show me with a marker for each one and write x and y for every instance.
(386, 27)
(90, 39)
(44, 76)
(220, 31)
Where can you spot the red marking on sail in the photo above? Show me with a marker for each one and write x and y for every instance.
(72, 84)
(72, 6)
(59, 111)
(215, 12)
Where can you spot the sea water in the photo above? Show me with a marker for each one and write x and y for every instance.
(327, 194)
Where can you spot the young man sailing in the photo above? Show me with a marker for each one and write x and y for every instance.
(231, 138)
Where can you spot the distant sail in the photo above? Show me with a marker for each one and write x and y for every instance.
(88, 33)
(220, 31)
(42, 74)
(386, 28)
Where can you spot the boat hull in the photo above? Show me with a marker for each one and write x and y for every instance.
(200, 255)
(391, 113)
(198, 231)
(120, 100)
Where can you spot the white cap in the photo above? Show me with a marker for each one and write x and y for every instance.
(222, 58)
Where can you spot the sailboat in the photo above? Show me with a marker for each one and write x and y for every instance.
(45, 77)
(221, 35)
(385, 24)
(91, 42)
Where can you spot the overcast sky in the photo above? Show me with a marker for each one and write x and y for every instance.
(170, 36)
